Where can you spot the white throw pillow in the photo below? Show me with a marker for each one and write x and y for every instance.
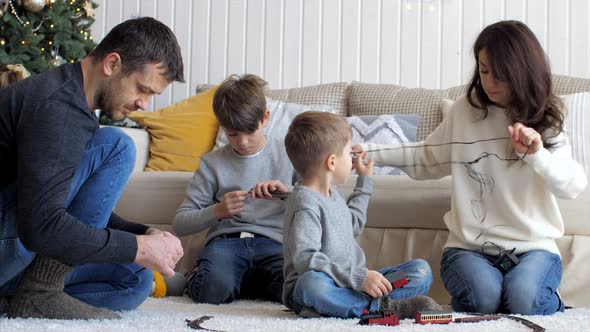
(281, 115)
(577, 126)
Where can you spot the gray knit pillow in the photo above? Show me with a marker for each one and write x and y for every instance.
(379, 99)
(330, 94)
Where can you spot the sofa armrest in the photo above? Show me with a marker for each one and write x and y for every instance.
(142, 144)
(401, 202)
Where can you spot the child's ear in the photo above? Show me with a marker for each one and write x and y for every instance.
(265, 118)
(331, 162)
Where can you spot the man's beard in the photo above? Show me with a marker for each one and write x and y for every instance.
(103, 101)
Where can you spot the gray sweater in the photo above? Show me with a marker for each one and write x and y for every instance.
(223, 171)
(320, 235)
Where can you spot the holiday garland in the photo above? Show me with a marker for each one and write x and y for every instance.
(43, 34)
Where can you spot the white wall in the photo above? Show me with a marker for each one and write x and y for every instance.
(291, 43)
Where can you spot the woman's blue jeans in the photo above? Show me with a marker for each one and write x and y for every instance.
(529, 288)
(105, 167)
(317, 290)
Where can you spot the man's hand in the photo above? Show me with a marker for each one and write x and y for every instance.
(522, 137)
(376, 285)
(360, 166)
(231, 204)
(160, 251)
(152, 231)
(263, 189)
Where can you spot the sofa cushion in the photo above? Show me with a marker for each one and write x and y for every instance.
(153, 197)
(378, 99)
(404, 202)
(141, 138)
(180, 133)
(330, 94)
(384, 129)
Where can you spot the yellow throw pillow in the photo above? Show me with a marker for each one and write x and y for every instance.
(180, 133)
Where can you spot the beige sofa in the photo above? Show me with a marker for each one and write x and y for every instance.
(405, 217)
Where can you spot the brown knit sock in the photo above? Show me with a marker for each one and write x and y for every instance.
(40, 295)
(3, 304)
(407, 308)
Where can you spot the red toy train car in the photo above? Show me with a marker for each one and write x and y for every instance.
(378, 318)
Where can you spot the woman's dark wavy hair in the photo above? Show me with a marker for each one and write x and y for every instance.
(515, 56)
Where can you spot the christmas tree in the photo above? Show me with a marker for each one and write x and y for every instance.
(42, 34)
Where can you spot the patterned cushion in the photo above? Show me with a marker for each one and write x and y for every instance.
(384, 129)
(378, 99)
(330, 94)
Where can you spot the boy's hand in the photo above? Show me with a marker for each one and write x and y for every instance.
(357, 149)
(360, 166)
(231, 204)
(376, 285)
(522, 137)
(263, 189)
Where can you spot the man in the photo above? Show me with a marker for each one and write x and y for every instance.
(63, 252)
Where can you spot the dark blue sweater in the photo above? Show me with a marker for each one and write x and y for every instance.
(45, 124)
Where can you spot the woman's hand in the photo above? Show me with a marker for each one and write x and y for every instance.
(522, 137)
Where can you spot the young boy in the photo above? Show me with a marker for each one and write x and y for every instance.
(325, 272)
(243, 253)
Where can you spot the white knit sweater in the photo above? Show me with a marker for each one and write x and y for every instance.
(510, 203)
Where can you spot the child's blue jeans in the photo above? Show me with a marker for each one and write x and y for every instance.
(317, 290)
(231, 268)
(529, 288)
(106, 164)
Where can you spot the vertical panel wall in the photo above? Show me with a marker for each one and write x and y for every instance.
(291, 43)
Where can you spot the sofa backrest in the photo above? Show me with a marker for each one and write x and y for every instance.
(330, 94)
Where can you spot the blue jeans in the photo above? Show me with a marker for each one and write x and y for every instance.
(529, 288)
(107, 161)
(233, 268)
(317, 290)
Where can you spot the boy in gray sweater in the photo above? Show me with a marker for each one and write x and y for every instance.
(243, 253)
(325, 271)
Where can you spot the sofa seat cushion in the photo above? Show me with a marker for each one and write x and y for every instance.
(153, 197)
(401, 202)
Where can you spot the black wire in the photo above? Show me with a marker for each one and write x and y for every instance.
(482, 156)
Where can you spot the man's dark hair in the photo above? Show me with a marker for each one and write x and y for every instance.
(142, 41)
(239, 103)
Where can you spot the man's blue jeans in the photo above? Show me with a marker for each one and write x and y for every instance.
(529, 288)
(233, 268)
(106, 164)
(317, 290)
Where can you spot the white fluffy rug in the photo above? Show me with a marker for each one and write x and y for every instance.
(169, 314)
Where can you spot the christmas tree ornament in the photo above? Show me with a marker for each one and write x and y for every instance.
(33, 6)
(88, 9)
(3, 7)
(57, 61)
